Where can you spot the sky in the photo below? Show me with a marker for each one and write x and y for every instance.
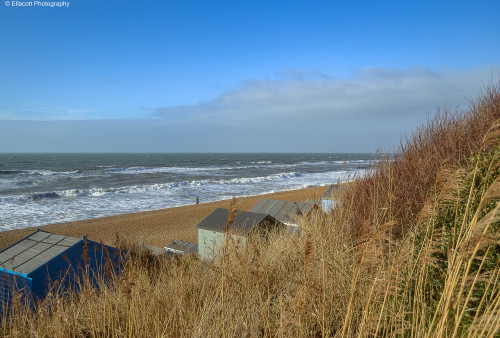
(237, 76)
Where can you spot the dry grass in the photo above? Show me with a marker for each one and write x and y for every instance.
(397, 191)
(413, 250)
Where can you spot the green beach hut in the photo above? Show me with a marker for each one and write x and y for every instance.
(212, 230)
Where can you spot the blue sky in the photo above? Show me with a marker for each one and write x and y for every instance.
(237, 76)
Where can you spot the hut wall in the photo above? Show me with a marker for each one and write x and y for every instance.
(327, 204)
(12, 281)
(210, 242)
(68, 267)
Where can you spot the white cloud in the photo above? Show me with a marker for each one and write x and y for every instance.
(372, 93)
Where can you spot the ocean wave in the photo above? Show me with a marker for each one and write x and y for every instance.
(212, 169)
(49, 172)
(180, 170)
(259, 179)
(315, 163)
(261, 162)
(11, 172)
(45, 195)
(146, 170)
(145, 188)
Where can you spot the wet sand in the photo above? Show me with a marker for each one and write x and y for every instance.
(157, 227)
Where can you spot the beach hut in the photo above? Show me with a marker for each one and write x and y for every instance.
(150, 249)
(179, 247)
(328, 198)
(284, 211)
(31, 264)
(331, 195)
(213, 228)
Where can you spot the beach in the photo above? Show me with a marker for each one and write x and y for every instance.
(157, 227)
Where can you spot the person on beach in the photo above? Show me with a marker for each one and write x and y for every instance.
(197, 200)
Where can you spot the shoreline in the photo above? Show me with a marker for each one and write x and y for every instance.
(155, 227)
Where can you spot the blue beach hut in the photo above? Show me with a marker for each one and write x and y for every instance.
(31, 264)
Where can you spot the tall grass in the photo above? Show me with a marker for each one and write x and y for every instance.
(397, 191)
(412, 250)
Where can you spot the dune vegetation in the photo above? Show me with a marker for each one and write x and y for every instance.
(411, 249)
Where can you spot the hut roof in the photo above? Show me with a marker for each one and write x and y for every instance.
(329, 192)
(153, 250)
(283, 211)
(244, 221)
(35, 250)
(182, 247)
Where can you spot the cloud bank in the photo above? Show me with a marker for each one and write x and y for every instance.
(373, 93)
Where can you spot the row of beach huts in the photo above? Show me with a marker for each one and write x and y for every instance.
(32, 265)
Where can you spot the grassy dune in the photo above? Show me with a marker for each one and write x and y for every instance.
(411, 250)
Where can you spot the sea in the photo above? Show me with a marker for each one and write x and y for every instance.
(39, 189)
